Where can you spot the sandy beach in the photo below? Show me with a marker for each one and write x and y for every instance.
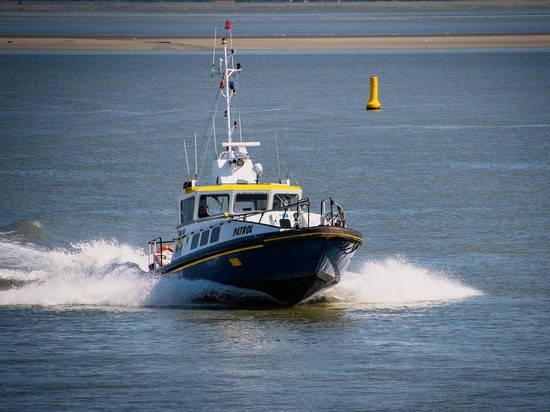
(333, 43)
(294, 43)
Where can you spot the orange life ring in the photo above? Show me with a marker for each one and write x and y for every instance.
(161, 257)
(163, 248)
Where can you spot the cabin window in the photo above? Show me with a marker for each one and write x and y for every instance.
(195, 241)
(187, 207)
(181, 238)
(204, 237)
(249, 202)
(283, 200)
(212, 205)
(215, 236)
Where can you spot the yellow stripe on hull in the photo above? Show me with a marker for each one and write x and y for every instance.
(196, 262)
(252, 187)
(350, 236)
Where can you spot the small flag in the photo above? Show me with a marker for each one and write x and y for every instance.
(228, 24)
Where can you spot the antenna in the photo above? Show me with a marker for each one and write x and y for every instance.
(186, 159)
(214, 52)
(196, 160)
(278, 158)
(240, 129)
(214, 132)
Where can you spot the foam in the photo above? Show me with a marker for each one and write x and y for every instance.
(108, 273)
(397, 282)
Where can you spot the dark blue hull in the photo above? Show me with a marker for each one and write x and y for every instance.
(288, 266)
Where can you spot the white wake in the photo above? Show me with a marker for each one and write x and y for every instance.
(108, 273)
(395, 282)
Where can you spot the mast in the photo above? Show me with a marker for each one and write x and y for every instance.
(227, 75)
(228, 86)
(233, 165)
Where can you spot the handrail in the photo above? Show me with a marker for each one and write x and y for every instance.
(157, 260)
(301, 203)
(332, 218)
(335, 216)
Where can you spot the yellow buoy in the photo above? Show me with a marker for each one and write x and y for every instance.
(373, 103)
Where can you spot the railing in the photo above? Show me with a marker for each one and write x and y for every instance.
(298, 208)
(335, 216)
(156, 251)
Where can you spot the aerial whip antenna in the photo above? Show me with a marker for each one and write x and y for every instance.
(240, 128)
(196, 160)
(186, 159)
(214, 51)
(278, 158)
(214, 133)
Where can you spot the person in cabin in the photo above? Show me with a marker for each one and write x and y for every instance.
(202, 211)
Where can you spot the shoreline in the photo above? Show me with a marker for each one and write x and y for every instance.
(210, 7)
(279, 43)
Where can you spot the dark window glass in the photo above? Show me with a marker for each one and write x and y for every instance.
(186, 209)
(215, 236)
(195, 241)
(250, 202)
(204, 237)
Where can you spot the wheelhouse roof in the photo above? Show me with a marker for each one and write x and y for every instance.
(245, 187)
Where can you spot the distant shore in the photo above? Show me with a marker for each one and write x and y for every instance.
(320, 43)
(42, 6)
(9, 9)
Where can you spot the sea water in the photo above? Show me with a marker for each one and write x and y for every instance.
(275, 23)
(445, 306)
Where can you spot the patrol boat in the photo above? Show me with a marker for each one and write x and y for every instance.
(242, 232)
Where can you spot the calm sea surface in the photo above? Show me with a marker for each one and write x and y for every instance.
(273, 24)
(445, 307)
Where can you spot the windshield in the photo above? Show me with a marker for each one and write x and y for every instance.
(248, 202)
(211, 205)
(283, 200)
